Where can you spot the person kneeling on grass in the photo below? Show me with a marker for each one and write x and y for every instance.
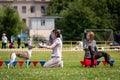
(56, 46)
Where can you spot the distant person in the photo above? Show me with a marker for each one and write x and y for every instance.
(56, 46)
(4, 40)
(29, 42)
(11, 43)
(19, 41)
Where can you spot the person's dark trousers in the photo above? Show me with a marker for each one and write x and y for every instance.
(3, 45)
(18, 45)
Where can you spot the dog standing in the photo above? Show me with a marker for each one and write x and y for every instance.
(98, 54)
(25, 55)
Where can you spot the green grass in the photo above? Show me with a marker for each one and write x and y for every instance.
(72, 69)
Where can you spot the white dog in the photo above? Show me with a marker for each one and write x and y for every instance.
(24, 55)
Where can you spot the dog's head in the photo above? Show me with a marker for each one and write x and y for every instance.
(31, 47)
(90, 48)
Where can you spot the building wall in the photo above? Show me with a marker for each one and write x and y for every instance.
(24, 9)
(40, 33)
(41, 27)
(38, 4)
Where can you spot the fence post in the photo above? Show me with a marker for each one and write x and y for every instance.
(71, 45)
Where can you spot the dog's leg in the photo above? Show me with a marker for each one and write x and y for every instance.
(28, 62)
(92, 59)
(12, 59)
(107, 58)
(92, 56)
(105, 55)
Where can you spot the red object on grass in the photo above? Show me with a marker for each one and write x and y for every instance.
(35, 63)
(1, 62)
(87, 62)
(104, 63)
(20, 63)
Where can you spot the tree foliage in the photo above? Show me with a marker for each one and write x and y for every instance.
(78, 15)
(10, 22)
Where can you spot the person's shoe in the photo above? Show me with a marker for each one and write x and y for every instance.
(61, 64)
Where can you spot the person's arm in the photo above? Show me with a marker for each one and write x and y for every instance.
(85, 47)
(55, 43)
(52, 46)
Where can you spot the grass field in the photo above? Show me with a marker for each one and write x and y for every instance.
(72, 69)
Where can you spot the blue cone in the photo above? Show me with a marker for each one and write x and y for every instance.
(112, 61)
(6, 62)
(42, 63)
(29, 62)
(14, 63)
(98, 62)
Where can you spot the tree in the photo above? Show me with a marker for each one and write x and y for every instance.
(78, 15)
(10, 22)
(77, 18)
(56, 6)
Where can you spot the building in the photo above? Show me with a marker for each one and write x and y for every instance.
(42, 26)
(28, 8)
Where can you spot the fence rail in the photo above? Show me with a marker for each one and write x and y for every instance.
(73, 46)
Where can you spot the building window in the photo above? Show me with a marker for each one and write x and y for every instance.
(24, 20)
(42, 22)
(32, 9)
(42, 9)
(23, 9)
(15, 8)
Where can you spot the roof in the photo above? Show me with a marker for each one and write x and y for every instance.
(45, 17)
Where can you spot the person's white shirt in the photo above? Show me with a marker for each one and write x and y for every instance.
(4, 39)
(56, 47)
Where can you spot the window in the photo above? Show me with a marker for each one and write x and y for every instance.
(23, 9)
(32, 9)
(42, 22)
(24, 20)
(15, 8)
(42, 9)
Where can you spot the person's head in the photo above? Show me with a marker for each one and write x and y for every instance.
(3, 34)
(55, 33)
(90, 36)
(19, 36)
(11, 36)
